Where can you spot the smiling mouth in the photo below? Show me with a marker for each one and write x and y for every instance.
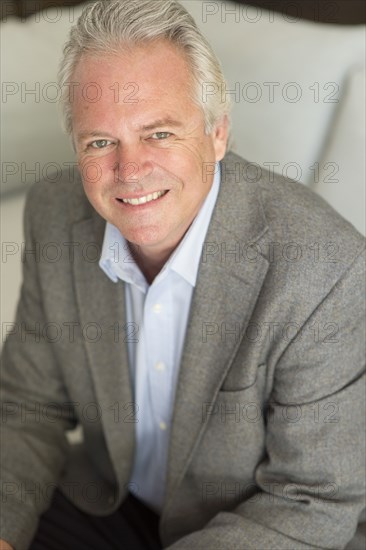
(145, 199)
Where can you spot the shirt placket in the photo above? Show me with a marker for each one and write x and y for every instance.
(159, 338)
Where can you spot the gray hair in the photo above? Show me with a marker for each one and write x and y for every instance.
(107, 26)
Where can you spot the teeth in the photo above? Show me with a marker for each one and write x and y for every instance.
(143, 200)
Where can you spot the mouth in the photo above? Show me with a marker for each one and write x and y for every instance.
(144, 199)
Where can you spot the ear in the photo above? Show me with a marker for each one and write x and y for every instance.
(220, 137)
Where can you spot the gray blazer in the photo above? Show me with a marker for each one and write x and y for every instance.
(266, 447)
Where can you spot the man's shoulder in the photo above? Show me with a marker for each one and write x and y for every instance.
(57, 203)
(292, 212)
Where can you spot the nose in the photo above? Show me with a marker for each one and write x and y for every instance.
(132, 163)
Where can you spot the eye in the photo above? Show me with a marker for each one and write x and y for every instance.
(161, 135)
(100, 143)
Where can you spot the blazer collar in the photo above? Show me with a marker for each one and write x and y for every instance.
(228, 285)
(101, 304)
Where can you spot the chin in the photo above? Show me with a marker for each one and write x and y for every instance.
(142, 237)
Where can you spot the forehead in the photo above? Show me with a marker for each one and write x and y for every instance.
(158, 68)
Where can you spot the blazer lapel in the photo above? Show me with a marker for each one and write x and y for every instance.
(102, 308)
(225, 295)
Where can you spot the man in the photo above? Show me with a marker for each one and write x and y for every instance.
(205, 330)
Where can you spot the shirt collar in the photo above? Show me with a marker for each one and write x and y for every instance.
(117, 262)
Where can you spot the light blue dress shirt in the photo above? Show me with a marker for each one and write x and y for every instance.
(158, 318)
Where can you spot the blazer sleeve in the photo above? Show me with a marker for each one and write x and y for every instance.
(311, 484)
(34, 401)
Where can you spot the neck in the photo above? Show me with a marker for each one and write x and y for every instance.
(150, 264)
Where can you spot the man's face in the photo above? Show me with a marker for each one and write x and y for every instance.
(138, 137)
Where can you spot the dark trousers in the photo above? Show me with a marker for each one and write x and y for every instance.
(63, 527)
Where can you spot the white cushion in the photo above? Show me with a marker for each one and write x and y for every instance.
(341, 178)
(32, 135)
(316, 57)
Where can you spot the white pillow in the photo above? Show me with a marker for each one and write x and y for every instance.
(33, 144)
(341, 177)
(258, 46)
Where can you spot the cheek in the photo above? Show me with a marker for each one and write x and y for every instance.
(91, 176)
(94, 175)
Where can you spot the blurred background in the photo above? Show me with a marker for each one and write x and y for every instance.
(296, 75)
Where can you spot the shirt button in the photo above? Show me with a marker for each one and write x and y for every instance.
(160, 366)
(162, 426)
(157, 308)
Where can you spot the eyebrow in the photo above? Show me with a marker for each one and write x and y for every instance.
(161, 122)
(170, 122)
(94, 133)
